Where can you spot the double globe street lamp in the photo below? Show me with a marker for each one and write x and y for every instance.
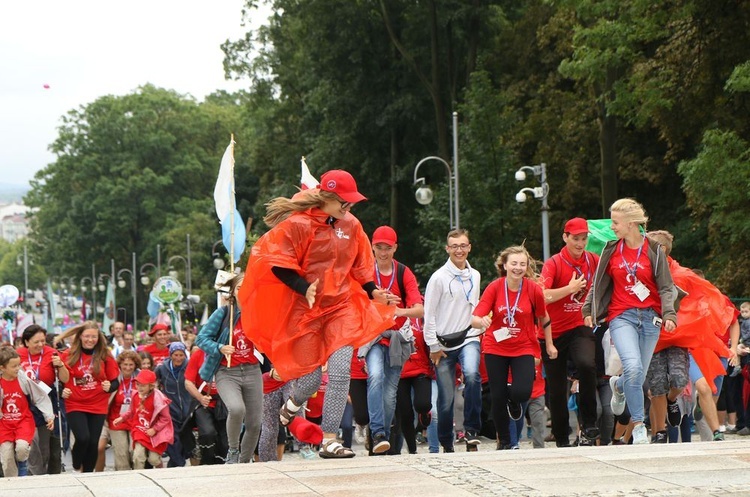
(538, 192)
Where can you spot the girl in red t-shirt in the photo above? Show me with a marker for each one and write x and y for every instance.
(508, 311)
(93, 375)
(150, 423)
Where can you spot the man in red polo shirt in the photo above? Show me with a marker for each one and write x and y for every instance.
(567, 278)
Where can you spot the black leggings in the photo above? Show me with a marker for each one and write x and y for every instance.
(358, 394)
(522, 369)
(86, 428)
(422, 387)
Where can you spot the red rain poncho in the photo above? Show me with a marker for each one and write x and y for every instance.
(702, 321)
(295, 338)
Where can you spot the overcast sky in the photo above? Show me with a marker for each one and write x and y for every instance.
(84, 49)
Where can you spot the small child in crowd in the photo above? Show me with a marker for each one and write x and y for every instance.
(16, 419)
(151, 427)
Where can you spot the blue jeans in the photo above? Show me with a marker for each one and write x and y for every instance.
(468, 357)
(432, 430)
(382, 387)
(634, 335)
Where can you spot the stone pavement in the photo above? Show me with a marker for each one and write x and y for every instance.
(699, 468)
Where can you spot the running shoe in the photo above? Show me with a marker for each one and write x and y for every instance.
(618, 398)
(660, 438)
(674, 416)
(640, 435)
(472, 438)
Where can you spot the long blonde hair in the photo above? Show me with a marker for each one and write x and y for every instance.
(281, 208)
(100, 349)
(515, 249)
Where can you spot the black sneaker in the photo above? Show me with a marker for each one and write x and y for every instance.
(446, 450)
(591, 435)
(502, 446)
(515, 411)
(380, 444)
(472, 438)
(674, 416)
(660, 438)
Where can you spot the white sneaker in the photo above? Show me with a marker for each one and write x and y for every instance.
(359, 434)
(722, 428)
(640, 435)
(618, 398)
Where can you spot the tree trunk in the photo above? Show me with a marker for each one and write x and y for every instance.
(608, 146)
(394, 190)
(437, 94)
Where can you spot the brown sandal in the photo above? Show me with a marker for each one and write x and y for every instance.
(332, 449)
(286, 415)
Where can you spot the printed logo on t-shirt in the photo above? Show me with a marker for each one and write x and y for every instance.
(11, 412)
(29, 372)
(340, 233)
(242, 348)
(87, 381)
(631, 280)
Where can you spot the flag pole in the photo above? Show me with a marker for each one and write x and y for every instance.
(231, 250)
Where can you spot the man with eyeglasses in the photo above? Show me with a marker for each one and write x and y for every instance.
(450, 297)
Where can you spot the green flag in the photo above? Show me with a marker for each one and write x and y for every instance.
(600, 232)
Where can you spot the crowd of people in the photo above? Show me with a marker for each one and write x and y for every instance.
(326, 339)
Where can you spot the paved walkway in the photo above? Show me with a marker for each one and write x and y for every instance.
(699, 468)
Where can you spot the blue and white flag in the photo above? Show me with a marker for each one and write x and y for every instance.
(110, 312)
(226, 207)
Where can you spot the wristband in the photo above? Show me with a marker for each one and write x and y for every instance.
(548, 323)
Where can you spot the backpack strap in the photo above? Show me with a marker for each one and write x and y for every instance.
(400, 270)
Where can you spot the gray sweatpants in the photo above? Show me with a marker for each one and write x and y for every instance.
(241, 390)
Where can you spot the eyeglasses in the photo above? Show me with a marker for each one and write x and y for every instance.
(463, 246)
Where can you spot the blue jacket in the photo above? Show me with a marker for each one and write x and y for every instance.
(214, 335)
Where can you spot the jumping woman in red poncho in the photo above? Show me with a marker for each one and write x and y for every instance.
(307, 295)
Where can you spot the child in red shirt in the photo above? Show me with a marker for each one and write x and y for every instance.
(151, 426)
(16, 420)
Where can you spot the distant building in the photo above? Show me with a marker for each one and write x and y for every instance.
(13, 222)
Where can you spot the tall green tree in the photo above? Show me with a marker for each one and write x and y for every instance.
(123, 166)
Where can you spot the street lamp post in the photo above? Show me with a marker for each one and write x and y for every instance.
(218, 261)
(145, 280)
(25, 264)
(174, 274)
(424, 194)
(539, 192)
(121, 283)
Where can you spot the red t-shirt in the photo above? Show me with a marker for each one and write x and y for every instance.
(623, 297)
(191, 374)
(522, 339)
(419, 362)
(159, 355)
(87, 394)
(121, 402)
(244, 352)
(358, 367)
(390, 283)
(565, 313)
(38, 366)
(17, 422)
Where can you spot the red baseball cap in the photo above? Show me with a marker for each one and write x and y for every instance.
(576, 226)
(385, 234)
(158, 327)
(342, 184)
(145, 377)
